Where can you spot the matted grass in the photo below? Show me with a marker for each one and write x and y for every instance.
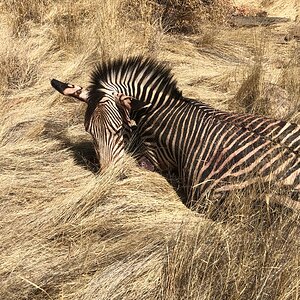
(68, 232)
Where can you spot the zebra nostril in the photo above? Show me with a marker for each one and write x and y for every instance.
(54, 83)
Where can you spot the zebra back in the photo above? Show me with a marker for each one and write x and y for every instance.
(280, 132)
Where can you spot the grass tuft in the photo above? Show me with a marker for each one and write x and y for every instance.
(25, 13)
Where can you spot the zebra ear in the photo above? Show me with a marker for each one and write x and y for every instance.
(130, 103)
(71, 90)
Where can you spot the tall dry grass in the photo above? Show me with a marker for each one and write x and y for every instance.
(257, 94)
(290, 81)
(70, 233)
(189, 16)
(249, 97)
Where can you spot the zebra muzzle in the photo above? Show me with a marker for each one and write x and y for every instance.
(145, 163)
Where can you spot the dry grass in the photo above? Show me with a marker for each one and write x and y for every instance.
(249, 97)
(290, 81)
(189, 16)
(70, 233)
(257, 95)
(23, 14)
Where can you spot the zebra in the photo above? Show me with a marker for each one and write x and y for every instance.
(213, 152)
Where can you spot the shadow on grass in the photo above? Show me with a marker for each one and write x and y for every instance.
(85, 155)
(82, 151)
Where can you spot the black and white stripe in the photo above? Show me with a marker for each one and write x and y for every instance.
(106, 127)
(211, 150)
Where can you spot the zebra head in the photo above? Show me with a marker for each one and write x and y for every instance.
(120, 93)
(106, 119)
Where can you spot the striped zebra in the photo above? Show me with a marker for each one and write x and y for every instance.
(213, 152)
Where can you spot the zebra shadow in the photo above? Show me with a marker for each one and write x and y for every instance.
(82, 151)
(84, 154)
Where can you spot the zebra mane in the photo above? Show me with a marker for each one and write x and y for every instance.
(115, 75)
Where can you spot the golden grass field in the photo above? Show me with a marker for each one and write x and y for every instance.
(68, 232)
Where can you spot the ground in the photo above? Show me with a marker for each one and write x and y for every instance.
(68, 232)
